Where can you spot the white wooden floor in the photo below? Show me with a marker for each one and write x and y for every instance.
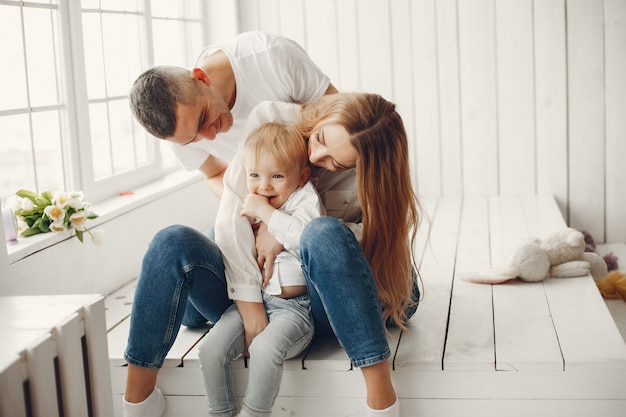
(516, 349)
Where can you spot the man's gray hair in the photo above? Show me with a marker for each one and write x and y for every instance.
(154, 95)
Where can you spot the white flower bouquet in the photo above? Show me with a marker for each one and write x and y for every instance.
(49, 212)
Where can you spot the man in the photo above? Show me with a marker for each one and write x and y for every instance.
(202, 111)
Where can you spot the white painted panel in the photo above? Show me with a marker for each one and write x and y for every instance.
(12, 377)
(349, 77)
(68, 337)
(425, 81)
(41, 377)
(478, 97)
(585, 29)
(292, 23)
(269, 16)
(551, 99)
(422, 346)
(516, 112)
(402, 67)
(470, 341)
(449, 97)
(248, 15)
(375, 47)
(321, 35)
(615, 60)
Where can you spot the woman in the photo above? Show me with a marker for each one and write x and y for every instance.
(359, 142)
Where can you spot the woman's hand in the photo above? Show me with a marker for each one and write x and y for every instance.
(254, 321)
(266, 249)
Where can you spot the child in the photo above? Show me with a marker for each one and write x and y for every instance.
(280, 195)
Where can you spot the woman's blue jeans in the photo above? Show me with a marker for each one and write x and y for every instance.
(184, 265)
(344, 297)
(181, 281)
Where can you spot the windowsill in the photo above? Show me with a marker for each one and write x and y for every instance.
(106, 210)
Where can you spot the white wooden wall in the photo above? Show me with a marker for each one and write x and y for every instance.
(498, 96)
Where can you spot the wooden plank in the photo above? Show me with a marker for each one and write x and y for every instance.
(588, 336)
(478, 97)
(585, 64)
(524, 333)
(322, 44)
(421, 347)
(348, 51)
(185, 341)
(402, 74)
(118, 305)
(470, 341)
(617, 308)
(68, 336)
(375, 46)
(12, 376)
(425, 95)
(41, 377)
(449, 97)
(292, 24)
(615, 90)
(551, 99)
(195, 406)
(516, 107)
(97, 357)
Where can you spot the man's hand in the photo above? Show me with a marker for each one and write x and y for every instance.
(254, 320)
(266, 249)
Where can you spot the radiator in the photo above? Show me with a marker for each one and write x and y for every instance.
(54, 357)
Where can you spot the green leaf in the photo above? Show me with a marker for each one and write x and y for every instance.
(79, 235)
(44, 226)
(31, 231)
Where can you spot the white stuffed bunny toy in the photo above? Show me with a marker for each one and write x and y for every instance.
(560, 254)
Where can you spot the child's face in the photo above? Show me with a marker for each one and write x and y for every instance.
(267, 178)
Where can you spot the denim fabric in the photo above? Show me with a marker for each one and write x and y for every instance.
(289, 332)
(181, 265)
(344, 297)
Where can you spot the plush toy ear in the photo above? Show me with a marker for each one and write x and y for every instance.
(495, 275)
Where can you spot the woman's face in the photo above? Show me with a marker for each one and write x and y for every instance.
(330, 148)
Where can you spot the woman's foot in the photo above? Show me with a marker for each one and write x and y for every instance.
(153, 406)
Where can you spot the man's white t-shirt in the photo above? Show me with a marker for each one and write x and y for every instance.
(266, 67)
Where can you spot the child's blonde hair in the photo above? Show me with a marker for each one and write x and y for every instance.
(283, 142)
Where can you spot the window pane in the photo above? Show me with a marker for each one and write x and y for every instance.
(168, 43)
(12, 77)
(16, 157)
(115, 56)
(165, 8)
(100, 144)
(40, 50)
(48, 150)
(94, 63)
(121, 136)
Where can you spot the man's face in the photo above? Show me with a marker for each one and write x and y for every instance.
(207, 117)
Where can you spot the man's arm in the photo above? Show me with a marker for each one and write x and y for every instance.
(213, 169)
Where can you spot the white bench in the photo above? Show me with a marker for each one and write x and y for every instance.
(540, 349)
(53, 357)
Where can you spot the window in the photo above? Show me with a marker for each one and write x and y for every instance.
(65, 123)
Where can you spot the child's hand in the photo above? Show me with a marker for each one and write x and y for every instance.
(253, 205)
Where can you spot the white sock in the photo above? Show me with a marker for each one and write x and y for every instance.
(153, 406)
(391, 411)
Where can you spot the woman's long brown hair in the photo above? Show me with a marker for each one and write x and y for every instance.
(388, 202)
